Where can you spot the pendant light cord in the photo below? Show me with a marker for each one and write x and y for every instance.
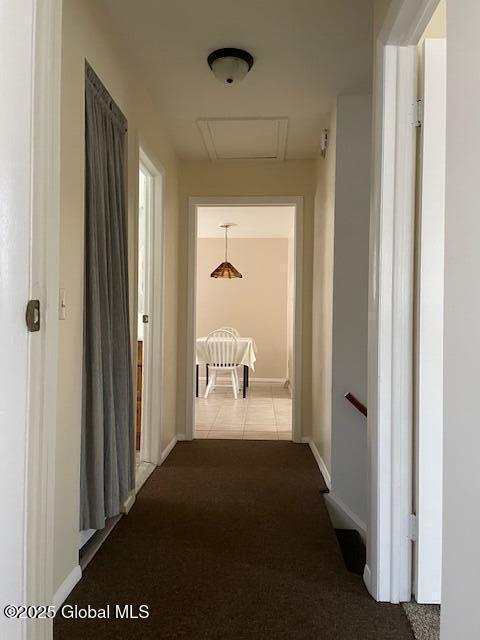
(226, 243)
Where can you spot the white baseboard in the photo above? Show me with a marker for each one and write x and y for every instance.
(319, 460)
(343, 517)
(65, 589)
(84, 536)
(102, 535)
(142, 474)
(129, 502)
(277, 381)
(145, 469)
(168, 448)
(180, 437)
(367, 578)
(252, 381)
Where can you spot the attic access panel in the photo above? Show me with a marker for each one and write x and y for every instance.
(245, 139)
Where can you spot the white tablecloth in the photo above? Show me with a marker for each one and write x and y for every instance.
(246, 352)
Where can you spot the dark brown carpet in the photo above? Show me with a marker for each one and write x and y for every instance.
(231, 540)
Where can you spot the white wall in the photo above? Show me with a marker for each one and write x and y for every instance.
(256, 304)
(87, 35)
(322, 298)
(350, 300)
(461, 564)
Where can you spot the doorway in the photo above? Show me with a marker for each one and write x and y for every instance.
(149, 317)
(277, 390)
(244, 305)
(145, 192)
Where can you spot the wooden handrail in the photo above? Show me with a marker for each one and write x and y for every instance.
(356, 403)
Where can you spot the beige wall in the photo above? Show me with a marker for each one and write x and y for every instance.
(86, 35)
(461, 484)
(437, 28)
(256, 304)
(290, 178)
(340, 297)
(380, 11)
(322, 302)
(350, 300)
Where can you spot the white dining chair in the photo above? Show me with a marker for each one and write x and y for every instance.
(221, 346)
(236, 333)
(231, 330)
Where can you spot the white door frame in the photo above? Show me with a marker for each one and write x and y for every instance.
(388, 574)
(152, 405)
(430, 327)
(30, 220)
(45, 278)
(256, 201)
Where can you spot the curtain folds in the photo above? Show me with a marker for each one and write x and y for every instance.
(108, 454)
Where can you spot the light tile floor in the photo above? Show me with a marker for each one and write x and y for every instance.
(266, 414)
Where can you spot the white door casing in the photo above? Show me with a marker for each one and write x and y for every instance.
(429, 342)
(151, 440)
(30, 43)
(390, 366)
(144, 309)
(16, 44)
(194, 204)
(388, 572)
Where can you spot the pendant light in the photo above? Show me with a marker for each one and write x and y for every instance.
(226, 270)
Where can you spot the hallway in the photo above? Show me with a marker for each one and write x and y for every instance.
(230, 539)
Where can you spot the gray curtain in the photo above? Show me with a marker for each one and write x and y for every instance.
(108, 453)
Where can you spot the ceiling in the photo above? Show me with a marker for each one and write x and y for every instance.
(306, 53)
(251, 222)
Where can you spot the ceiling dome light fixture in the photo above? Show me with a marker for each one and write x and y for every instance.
(226, 270)
(229, 65)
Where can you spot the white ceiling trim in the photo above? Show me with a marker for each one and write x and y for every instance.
(215, 133)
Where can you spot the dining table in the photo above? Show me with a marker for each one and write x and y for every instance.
(245, 355)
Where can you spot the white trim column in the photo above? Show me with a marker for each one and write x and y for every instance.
(16, 53)
(30, 44)
(388, 571)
